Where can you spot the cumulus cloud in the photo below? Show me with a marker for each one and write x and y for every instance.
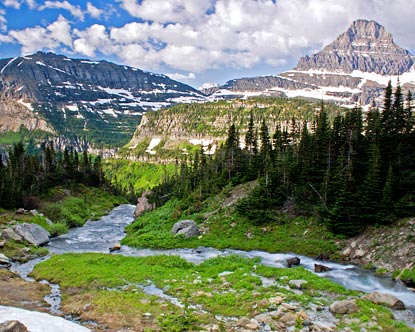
(90, 40)
(182, 77)
(178, 11)
(195, 36)
(51, 37)
(76, 11)
(93, 11)
(12, 3)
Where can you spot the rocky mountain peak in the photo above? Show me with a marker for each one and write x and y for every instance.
(366, 46)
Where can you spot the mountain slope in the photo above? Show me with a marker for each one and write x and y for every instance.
(352, 69)
(64, 96)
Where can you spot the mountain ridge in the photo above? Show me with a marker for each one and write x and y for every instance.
(353, 69)
(82, 97)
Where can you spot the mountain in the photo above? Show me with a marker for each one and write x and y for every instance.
(352, 69)
(76, 97)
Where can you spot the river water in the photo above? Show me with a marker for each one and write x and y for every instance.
(99, 236)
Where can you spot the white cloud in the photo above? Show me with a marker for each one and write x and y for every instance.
(76, 11)
(93, 11)
(12, 3)
(182, 77)
(178, 11)
(3, 20)
(194, 36)
(92, 39)
(31, 3)
(33, 39)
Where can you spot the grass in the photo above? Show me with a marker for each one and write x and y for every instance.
(66, 208)
(82, 203)
(109, 291)
(224, 228)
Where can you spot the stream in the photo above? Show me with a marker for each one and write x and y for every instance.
(99, 236)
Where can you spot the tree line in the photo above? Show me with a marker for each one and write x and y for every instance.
(353, 171)
(28, 173)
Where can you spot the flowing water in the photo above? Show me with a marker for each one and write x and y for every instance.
(99, 236)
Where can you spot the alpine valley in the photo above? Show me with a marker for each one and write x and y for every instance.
(94, 103)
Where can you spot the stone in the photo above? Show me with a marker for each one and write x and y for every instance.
(12, 326)
(10, 234)
(32, 233)
(34, 212)
(4, 261)
(297, 284)
(20, 211)
(318, 268)
(346, 252)
(248, 324)
(187, 228)
(143, 204)
(288, 318)
(2, 244)
(293, 261)
(387, 300)
(359, 253)
(275, 300)
(264, 318)
(115, 247)
(344, 307)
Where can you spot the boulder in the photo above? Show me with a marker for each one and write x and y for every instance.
(12, 326)
(387, 300)
(188, 228)
(318, 268)
(293, 261)
(4, 261)
(10, 234)
(344, 307)
(32, 233)
(143, 205)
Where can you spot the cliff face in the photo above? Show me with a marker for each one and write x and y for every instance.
(366, 46)
(81, 97)
(354, 68)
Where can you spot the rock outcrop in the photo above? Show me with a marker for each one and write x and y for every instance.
(354, 68)
(366, 46)
(143, 204)
(187, 228)
(32, 233)
(4, 261)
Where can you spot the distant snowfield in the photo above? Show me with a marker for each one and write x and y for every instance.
(39, 321)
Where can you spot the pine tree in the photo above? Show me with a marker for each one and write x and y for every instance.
(371, 189)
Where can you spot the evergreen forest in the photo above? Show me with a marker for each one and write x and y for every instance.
(351, 170)
(27, 173)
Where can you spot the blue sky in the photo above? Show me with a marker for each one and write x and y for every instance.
(193, 41)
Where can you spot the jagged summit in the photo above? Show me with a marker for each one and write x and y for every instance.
(366, 46)
(353, 69)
